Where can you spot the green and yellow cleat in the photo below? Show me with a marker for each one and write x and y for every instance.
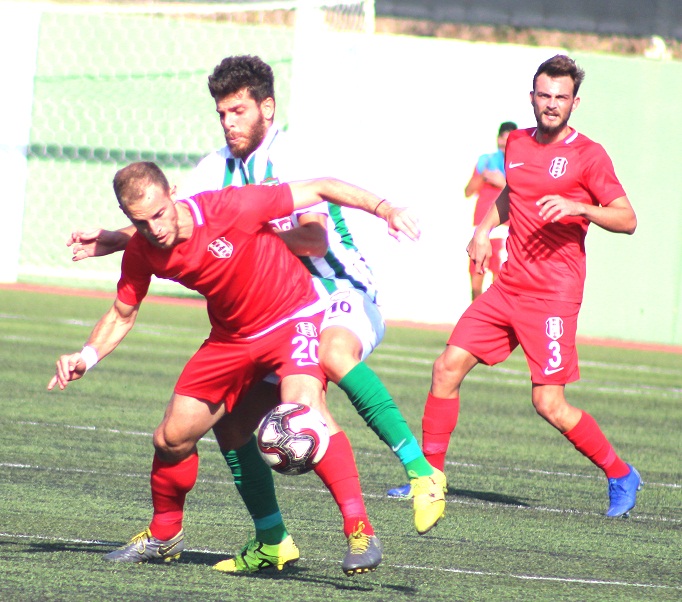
(257, 556)
(428, 499)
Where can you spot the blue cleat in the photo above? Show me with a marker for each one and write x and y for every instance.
(403, 492)
(623, 493)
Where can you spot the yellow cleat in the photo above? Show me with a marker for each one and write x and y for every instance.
(256, 556)
(428, 500)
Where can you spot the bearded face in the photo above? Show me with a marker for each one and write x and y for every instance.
(245, 122)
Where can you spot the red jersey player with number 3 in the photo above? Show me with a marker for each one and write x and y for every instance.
(558, 182)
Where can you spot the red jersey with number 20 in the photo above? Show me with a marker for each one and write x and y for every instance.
(547, 260)
(233, 258)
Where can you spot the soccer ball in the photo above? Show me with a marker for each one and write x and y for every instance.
(292, 438)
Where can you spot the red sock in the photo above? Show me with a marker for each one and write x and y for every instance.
(339, 473)
(438, 423)
(170, 484)
(591, 442)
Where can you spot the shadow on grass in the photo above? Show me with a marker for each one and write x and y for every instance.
(488, 496)
(298, 572)
(304, 574)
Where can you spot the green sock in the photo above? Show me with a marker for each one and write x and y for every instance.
(377, 408)
(253, 478)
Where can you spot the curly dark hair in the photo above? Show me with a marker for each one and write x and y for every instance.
(559, 66)
(235, 73)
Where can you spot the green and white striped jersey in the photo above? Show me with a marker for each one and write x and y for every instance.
(343, 266)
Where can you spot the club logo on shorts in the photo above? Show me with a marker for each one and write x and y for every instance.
(270, 182)
(307, 329)
(554, 327)
(221, 248)
(557, 167)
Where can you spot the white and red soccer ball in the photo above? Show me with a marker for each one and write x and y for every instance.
(293, 438)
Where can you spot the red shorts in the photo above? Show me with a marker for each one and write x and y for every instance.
(499, 256)
(223, 371)
(498, 321)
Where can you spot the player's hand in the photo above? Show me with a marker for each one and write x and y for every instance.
(95, 243)
(69, 367)
(480, 251)
(554, 207)
(402, 220)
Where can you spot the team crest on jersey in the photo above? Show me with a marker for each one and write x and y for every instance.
(270, 182)
(554, 327)
(307, 329)
(557, 167)
(221, 248)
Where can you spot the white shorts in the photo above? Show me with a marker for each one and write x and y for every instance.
(354, 310)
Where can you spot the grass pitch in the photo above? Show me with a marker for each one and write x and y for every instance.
(524, 510)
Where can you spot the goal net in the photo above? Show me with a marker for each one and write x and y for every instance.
(116, 83)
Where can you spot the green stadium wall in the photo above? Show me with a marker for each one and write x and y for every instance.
(404, 116)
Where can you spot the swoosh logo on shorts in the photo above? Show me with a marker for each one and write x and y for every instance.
(548, 371)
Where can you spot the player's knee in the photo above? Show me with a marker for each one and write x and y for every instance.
(448, 372)
(551, 407)
(171, 449)
(337, 358)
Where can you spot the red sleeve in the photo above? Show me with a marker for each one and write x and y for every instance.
(600, 177)
(136, 273)
(249, 206)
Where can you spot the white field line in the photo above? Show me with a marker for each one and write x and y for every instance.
(411, 567)
(450, 500)
(433, 352)
(502, 375)
(210, 440)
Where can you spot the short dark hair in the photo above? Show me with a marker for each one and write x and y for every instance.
(507, 126)
(131, 182)
(559, 66)
(235, 73)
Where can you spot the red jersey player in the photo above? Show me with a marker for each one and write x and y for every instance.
(487, 182)
(264, 311)
(558, 182)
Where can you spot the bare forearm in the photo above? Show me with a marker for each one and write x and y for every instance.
(497, 214)
(309, 240)
(310, 192)
(111, 329)
(621, 220)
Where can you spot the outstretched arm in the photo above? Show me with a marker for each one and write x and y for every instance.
(111, 329)
(310, 192)
(98, 242)
(618, 216)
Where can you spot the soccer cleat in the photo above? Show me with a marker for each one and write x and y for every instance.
(623, 493)
(257, 556)
(403, 492)
(144, 547)
(428, 500)
(364, 553)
